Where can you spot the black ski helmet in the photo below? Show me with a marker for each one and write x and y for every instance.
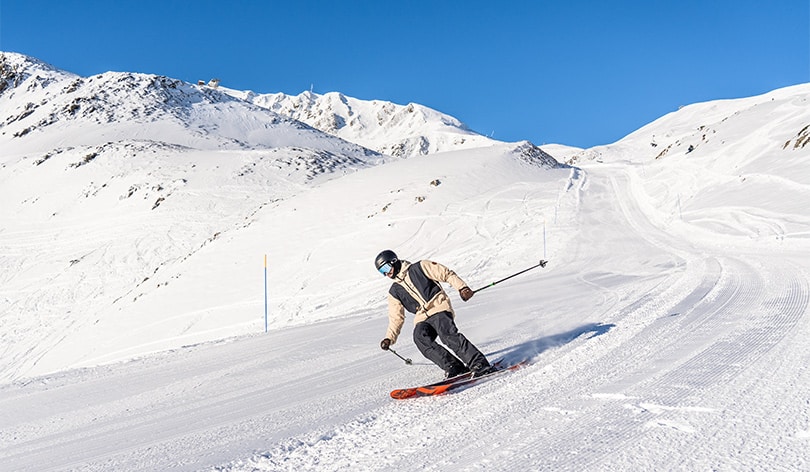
(387, 257)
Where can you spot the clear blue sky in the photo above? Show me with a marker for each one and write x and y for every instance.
(574, 72)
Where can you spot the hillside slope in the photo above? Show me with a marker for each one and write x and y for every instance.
(111, 180)
(731, 168)
(112, 184)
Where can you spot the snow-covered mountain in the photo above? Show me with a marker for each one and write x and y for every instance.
(44, 109)
(668, 331)
(112, 182)
(704, 162)
(388, 128)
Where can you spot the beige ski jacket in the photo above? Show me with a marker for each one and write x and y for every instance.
(417, 289)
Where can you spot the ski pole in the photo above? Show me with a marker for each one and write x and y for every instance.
(541, 264)
(407, 361)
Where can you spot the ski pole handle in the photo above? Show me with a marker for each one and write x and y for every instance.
(407, 361)
(541, 264)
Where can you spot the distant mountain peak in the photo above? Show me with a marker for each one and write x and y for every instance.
(386, 127)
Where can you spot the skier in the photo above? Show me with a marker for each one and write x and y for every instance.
(417, 288)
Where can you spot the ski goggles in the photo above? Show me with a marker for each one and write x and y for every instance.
(386, 268)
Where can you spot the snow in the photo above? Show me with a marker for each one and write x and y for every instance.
(667, 332)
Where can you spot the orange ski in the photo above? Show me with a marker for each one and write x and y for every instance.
(455, 383)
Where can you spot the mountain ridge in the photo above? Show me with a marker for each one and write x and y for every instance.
(103, 108)
(386, 127)
(112, 97)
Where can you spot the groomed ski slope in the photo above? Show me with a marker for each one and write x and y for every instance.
(668, 332)
(654, 346)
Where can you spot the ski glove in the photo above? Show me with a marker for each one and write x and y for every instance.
(385, 344)
(466, 293)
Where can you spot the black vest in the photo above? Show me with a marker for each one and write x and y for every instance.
(427, 288)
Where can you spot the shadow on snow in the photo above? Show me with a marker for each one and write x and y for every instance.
(528, 350)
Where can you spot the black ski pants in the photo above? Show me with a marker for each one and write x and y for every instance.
(441, 325)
